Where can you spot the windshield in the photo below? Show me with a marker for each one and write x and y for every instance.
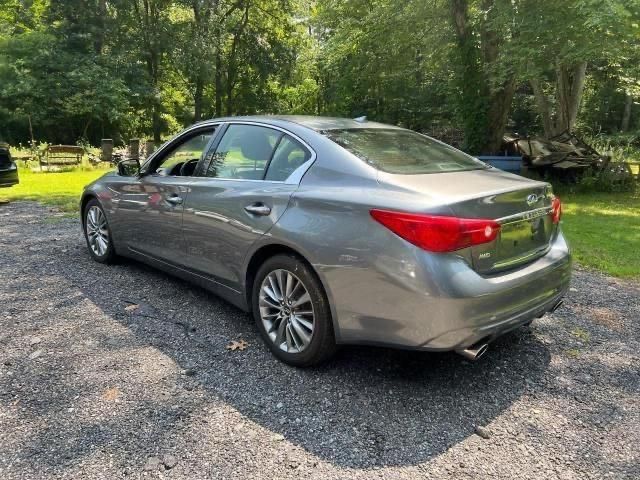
(402, 151)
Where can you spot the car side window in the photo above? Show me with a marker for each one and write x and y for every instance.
(289, 155)
(243, 152)
(183, 158)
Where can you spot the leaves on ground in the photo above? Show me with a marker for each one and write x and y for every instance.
(131, 308)
(240, 345)
(111, 394)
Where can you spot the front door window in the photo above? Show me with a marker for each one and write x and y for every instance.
(182, 159)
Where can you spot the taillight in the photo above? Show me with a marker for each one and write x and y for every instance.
(438, 234)
(556, 210)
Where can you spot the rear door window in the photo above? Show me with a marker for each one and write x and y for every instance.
(403, 151)
(289, 155)
(243, 152)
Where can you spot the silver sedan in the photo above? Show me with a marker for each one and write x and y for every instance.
(334, 231)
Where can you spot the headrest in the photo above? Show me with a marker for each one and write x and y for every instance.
(255, 147)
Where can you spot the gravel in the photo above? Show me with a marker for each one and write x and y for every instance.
(91, 389)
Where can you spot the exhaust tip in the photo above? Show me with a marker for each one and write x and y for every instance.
(556, 306)
(474, 352)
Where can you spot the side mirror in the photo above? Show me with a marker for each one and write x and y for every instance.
(129, 168)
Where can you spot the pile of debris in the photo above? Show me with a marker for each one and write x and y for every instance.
(565, 157)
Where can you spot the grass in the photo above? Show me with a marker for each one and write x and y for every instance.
(603, 230)
(59, 189)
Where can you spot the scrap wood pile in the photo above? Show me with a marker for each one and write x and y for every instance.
(565, 157)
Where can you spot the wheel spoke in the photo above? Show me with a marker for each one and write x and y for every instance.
(271, 315)
(275, 324)
(290, 283)
(271, 294)
(291, 340)
(268, 301)
(294, 290)
(273, 281)
(102, 245)
(281, 283)
(305, 323)
(304, 298)
(299, 331)
(280, 335)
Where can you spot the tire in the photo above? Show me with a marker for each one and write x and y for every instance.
(92, 216)
(287, 342)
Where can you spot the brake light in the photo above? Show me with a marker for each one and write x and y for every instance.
(438, 234)
(556, 210)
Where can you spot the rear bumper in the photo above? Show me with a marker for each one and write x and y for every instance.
(437, 302)
(9, 176)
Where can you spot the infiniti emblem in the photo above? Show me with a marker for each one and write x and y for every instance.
(532, 199)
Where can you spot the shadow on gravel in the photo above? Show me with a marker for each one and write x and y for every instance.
(368, 407)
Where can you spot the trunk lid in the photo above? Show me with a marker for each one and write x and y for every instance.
(522, 207)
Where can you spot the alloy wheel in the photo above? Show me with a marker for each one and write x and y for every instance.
(97, 231)
(286, 311)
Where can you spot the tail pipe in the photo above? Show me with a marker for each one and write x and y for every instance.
(474, 352)
(552, 309)
(556, 306)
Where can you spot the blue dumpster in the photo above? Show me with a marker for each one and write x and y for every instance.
(508, 164)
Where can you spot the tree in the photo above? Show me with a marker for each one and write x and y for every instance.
(558, 40)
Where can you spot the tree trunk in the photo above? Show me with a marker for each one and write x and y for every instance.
(86, 128)
(499, 99)
(229, 99)
(569, 90)
(544, 109)
(101, 22)
(470, 81)
(154, 73)
(218, 85)
(570, 85)
(147, 15)
(497, 116)
(157, 123)
(198, 98)
(626, 115)
(232, 70)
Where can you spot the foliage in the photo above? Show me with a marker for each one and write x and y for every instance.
(605, 181)
(75, 70)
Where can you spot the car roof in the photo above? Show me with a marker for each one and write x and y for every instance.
(309, 121)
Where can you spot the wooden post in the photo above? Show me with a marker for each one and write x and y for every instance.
(106, 152)
(134, 148)
(149, 147)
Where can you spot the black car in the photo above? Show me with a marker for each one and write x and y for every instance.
(8, 169)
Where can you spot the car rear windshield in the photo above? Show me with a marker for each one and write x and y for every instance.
(402, 151)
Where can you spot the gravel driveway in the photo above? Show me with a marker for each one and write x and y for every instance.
(122, 372)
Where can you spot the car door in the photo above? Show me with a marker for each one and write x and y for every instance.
(241, 192)
(149, 207)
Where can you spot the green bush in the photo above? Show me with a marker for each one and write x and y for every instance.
(609, 180)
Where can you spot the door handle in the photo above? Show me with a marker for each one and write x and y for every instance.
(174, 199)
(258, 209)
